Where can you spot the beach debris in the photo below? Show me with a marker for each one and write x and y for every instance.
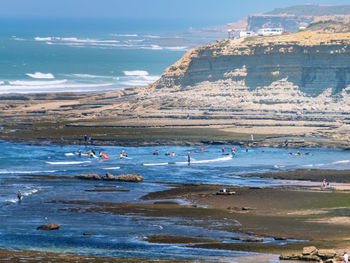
(225, 191)
(48, 227)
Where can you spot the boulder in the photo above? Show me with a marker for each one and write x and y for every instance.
(129, 178)
(48, 227)
(108, 177)
(326, 253)
(289, 256)
(309, 250)
(88, 176)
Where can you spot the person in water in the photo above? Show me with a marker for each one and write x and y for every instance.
(19, 195)
(223, 149)
(167, 153)
(188, 159)
(155, 152)
(246, 148)
(79, 153)
(121, 156)
(202, 150)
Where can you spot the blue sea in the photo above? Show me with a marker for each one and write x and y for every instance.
(45, 55)
(122, 235)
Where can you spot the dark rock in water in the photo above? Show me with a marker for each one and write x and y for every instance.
(48, 227)
(88, 176)
(108, 177)
(88, 234)
(280, 238)
(129, 178)
(249, 239)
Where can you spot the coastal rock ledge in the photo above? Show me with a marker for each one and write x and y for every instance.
(110, 177)
(311, 253)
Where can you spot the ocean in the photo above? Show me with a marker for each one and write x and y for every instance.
(45, 55)
(46, 200)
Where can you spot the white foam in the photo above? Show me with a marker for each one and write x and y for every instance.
(68, 163)
(112, 168)
(87, 40)
(135, 73)
(152, 36)
(156, 47)
(2, 82)
(125, 35)
(36, 83)
(42, 38)
(90, 76)
(30, 192)
(39, 75)
(15, 200)
(341, 162)
(222, 159)
(155, 164)
(183, 48)
(26, 172)
(69, 154)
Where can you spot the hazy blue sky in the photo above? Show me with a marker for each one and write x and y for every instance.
(213, 11)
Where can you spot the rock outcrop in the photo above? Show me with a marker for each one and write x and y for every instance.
(111, 177)
(311, 253)
(88, 176)
(48, 227)
(129, 178)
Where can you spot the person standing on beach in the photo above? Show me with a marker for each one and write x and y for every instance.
(346, 257)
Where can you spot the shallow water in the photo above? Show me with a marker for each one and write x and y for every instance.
(121, 235)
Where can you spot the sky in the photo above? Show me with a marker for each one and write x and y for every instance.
(210, 11)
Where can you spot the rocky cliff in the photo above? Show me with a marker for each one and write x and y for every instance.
(288, 85)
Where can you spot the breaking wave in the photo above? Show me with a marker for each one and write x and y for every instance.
(39, 75)
(136, 73)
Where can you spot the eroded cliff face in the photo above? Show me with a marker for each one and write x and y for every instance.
(312, 62)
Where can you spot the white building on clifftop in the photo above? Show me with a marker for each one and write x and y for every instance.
(270, 31)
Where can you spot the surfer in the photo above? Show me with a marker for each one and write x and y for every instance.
(121, 156)
(167, 153)
(79, 153)
(102, 155)
(155, 152)
(246, 148)
(19, 195)
(172, 154)
(223, 149)
(202, 150)
(92, 154)
(188, 159)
